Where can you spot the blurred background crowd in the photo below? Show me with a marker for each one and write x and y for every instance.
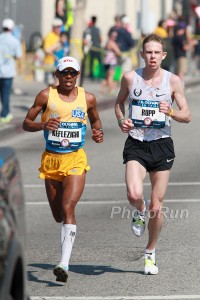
(105, 37)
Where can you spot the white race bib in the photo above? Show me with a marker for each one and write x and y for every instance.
(146, 114)
(66, 135)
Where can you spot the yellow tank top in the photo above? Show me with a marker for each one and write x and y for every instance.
(70, 136)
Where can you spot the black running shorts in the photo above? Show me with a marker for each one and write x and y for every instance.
(156, 155)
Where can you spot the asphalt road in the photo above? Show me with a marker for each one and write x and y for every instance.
(107, 259)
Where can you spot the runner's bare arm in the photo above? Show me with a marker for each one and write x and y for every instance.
(125, 124)
(182, 115)
(93, 117)
(39, 105)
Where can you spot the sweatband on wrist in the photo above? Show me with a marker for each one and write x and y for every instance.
(171, 112)
(120, 121)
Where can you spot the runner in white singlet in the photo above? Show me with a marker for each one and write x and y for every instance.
(149, 148)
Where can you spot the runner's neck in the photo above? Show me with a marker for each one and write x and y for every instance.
(153, 79)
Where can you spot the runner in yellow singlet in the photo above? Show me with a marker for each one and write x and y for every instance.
(65, 109)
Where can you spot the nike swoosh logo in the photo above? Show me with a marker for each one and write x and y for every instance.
(168, 160)
(159, 95)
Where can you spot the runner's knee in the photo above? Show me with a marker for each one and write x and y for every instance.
(68, 209)
(155, 209)
(134, 197)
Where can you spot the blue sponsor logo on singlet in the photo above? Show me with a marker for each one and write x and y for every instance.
(70, 125)
(78, 113)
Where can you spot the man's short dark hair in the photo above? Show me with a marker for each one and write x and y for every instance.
(152, 37)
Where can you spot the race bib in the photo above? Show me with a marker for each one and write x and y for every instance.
(69, 134)
(145, 114)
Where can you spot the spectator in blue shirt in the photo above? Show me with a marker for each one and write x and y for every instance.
(125, 43)
(10, 50)
(62, 48)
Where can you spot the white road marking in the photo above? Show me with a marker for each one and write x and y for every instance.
(38, 186)
(169, 297)
(96, 185)
(106, 202)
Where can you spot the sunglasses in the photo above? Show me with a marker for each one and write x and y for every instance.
(72, 73)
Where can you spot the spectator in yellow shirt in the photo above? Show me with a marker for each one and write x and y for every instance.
(161, 29)
(49, 46)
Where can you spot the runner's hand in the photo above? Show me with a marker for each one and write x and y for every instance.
(97, 135)
(164, 107)
(52, 124)
(126, 125)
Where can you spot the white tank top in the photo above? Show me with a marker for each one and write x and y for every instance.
(149, 123)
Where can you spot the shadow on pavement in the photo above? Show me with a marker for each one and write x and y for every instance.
(89, 270)
(33, 277)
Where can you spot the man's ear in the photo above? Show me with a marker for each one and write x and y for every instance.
(142, 54)
(164, 55)
(56, 73)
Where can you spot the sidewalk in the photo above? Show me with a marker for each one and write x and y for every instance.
(26, 90)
